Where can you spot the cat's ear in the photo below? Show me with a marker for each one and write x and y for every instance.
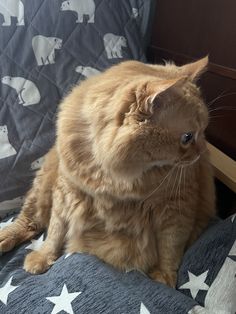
(152, 95)
(195, 69)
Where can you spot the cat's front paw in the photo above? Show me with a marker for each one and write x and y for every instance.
(37, 262)
(167, 277)
(7, 240)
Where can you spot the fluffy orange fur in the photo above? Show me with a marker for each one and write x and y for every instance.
(120, 181)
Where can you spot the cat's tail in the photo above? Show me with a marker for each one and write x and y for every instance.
(35, 214)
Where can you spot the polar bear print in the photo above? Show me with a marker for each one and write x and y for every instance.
(27, 91)
(12, 8)
(35, 165)
(82, 8)
(86, 71)
(44, 49)
(6, 149)
(113, 45)
(11, 204)
(135, 13)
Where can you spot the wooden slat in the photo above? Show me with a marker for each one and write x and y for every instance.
(225, 167)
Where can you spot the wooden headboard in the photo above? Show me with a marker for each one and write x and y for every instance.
(186, 30)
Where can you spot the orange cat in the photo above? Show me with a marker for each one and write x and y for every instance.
(129, 178)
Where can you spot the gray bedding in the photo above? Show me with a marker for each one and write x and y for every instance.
(80, 283)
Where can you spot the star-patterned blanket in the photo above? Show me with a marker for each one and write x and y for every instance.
(81, 283)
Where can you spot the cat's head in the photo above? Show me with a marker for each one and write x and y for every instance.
(156, 118)
(6, 79)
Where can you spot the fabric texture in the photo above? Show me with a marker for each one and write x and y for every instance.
(48, 46)
(81, 283)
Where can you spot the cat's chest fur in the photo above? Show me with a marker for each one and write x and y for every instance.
(120, 233)
(129, 216)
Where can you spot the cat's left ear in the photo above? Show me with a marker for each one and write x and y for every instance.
(195, 69)
(156, 91)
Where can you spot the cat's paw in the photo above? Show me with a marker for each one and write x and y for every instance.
(7, 241)
(167, 277)
(11, 236)
(37, 262)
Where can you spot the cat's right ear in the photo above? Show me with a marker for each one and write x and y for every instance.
(195, 69)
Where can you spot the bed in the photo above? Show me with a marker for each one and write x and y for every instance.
(48, 46)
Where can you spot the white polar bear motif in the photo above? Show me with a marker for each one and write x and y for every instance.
(35, 165)
(44, 49)
(12, 8)
(6, 149)
(82, 8)
(86, 71)
(135, 13)
(27, 91)
(113, 45)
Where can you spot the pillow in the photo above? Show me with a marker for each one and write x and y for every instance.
(81, 283)
(47, 46)
(208, 270)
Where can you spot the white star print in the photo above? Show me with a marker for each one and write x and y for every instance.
(195, 283)
(69, 254)
(232, 252)
(143, 309)
(6, 290)
(7, 223)
(63, 301)
(233, 217)
(36, 244)
(129, 270)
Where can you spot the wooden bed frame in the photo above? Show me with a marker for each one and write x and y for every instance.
(224, 166)
(186, 30)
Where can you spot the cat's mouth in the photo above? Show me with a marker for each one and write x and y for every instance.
(188, 162)
(179, 163)
(161, 163)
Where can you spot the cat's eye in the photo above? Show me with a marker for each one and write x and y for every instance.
(186, 138)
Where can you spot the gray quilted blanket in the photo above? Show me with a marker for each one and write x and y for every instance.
(46, 47)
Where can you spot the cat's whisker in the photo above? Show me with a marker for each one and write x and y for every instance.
(222, 95)
(184, 179)
(171, 180)
(229, 108)
(173, 187)
(168, 183)
(177, 185)
(178, 189)
(211, 102)
(180, 182)
(218, 116)
(157, 188)
(187, 163)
